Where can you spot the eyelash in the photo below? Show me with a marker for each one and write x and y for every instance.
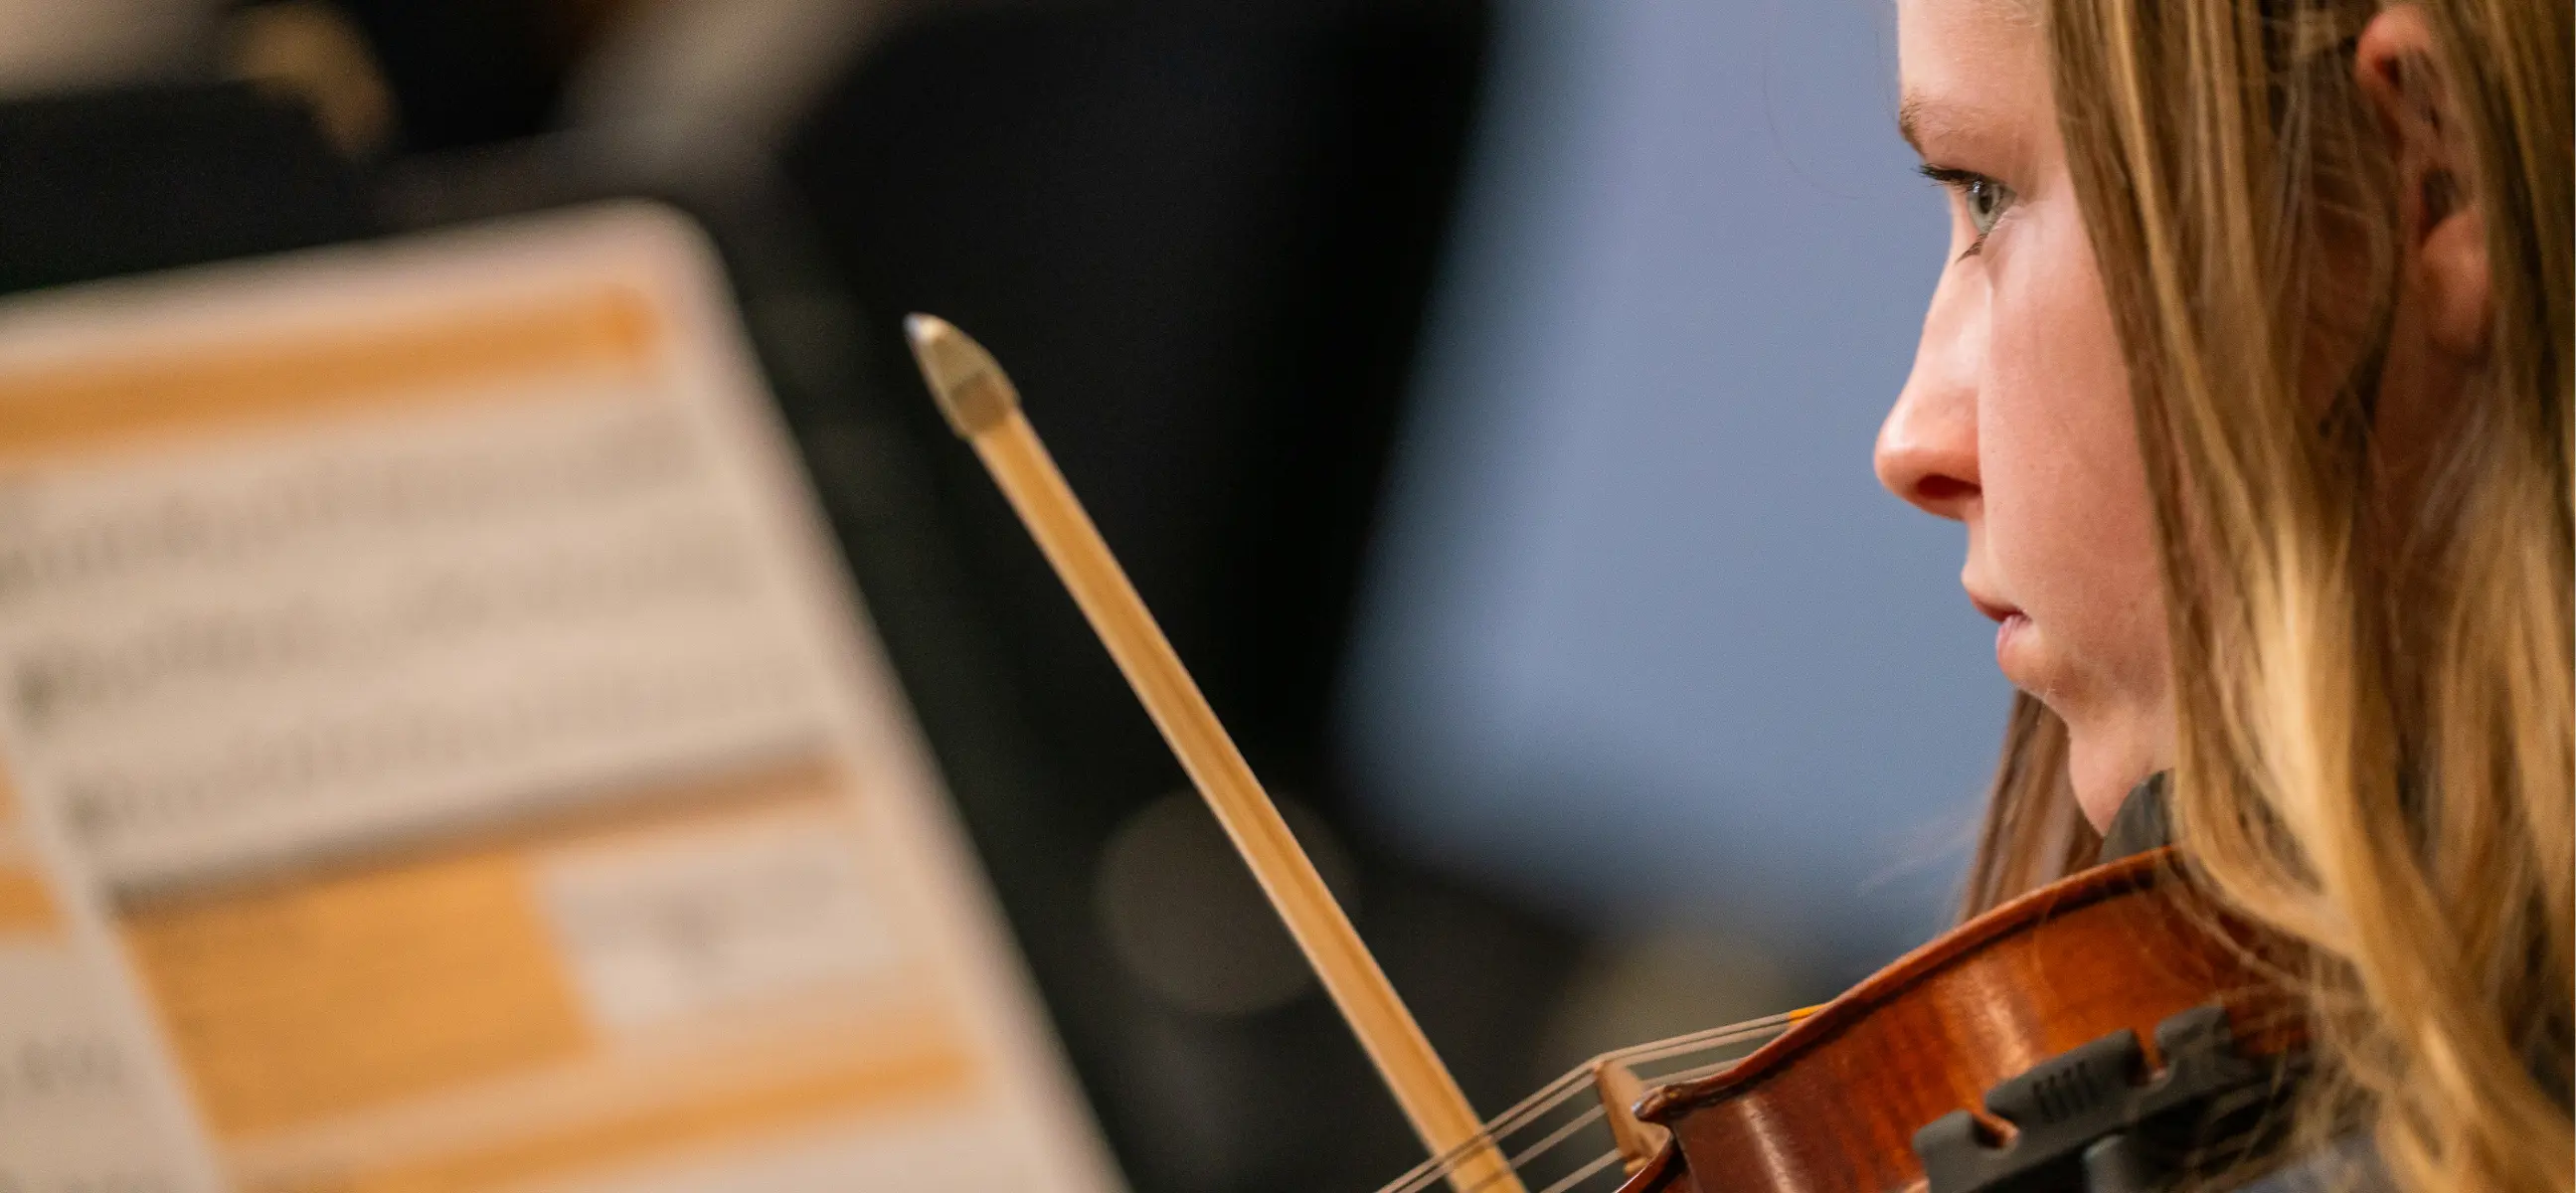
(1962, 182)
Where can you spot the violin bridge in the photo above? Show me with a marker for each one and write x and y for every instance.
(1638, 1140)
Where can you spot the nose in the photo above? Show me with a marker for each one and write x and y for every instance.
(1927, 448)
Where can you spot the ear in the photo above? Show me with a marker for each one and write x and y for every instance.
(2442, 229)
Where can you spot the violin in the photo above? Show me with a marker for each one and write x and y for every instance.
(2105, 1032)
(2091, 1034)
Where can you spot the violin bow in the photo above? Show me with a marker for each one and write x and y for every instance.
(984, 409)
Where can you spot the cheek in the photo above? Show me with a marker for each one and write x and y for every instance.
(2071, 529)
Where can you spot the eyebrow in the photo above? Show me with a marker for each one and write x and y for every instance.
(1912, 113)
(1921, 119)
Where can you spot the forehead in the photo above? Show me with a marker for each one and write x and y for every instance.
(1968, 67)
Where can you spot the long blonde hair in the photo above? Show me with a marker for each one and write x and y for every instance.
(2376, 706)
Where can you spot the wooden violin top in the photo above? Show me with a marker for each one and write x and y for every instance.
(1833, 1104)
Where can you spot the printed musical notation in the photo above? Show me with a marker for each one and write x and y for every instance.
(458, 759)
(383, 635)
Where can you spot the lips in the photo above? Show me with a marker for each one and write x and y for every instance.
(2010, 623)
(2005, 631)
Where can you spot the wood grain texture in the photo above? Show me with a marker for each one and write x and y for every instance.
(1832, 1105)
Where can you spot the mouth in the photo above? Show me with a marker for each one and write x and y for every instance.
(2009, 621)
(1996, 611)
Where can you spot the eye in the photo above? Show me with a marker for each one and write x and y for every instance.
(1983, 199)
(1986, 200)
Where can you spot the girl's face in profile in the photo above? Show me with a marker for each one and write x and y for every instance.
(2016, 421)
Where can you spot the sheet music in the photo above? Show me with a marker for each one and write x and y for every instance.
(446, 754)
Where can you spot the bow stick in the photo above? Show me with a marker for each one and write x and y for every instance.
(984, 409)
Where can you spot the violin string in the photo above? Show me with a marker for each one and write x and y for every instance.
(1431, 1171)
(1584, 1173)
(1556, 1093)
(1521, 1159)
(1537, 1105)
(1710, 1038)
(1590, 1169)
(1695, 1072)
(1773, 1024)
(1548, 1098)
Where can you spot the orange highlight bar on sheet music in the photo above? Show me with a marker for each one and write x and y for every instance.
(26, 903)
(699, 1123)
(110, 401)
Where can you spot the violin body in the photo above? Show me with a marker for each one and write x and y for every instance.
(1834, 1104)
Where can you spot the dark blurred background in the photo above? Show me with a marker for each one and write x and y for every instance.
(1480, 391)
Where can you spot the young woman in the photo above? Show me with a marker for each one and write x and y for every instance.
(2250, 379)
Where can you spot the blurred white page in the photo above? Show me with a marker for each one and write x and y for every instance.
(445, 755)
